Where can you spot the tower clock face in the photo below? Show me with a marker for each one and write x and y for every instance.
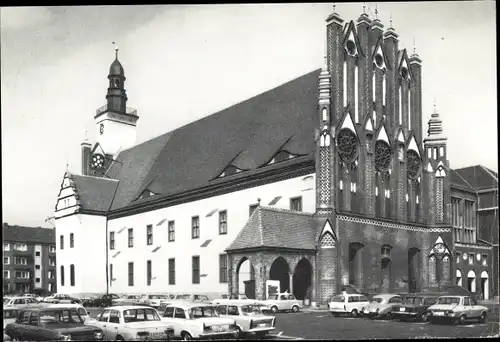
(101, 128)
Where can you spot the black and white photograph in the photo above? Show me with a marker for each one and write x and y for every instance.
(273, 171)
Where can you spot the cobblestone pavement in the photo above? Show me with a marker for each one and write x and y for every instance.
(322, 325)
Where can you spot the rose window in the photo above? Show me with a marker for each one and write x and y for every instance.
(97, 161)
(413, 164)
(347, 145)
(382, 156)
(439, 249)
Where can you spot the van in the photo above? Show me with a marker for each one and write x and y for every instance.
(347, 303)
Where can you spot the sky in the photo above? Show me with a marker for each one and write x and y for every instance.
(185, 62)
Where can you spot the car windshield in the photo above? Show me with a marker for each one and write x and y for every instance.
(273, 297)
(185, 296)
(243, 297)
(448, 300)
(140, 315)
(338, 299)
(376, 300)
(202, 311)
(154, 297)
(6, 300)
(10, 314)
(60, 316)
(250, 310)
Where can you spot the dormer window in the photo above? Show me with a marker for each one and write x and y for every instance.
(146, 193)
(230, 170)
(281, 156)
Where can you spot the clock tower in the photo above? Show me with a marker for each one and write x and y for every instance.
(115, 122)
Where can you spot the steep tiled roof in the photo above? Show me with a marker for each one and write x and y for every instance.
(28, 235)
(247, 135)
(459, 181)
(94, 193)
(271, 227)
(479, 177)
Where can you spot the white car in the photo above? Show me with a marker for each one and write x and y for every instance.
(456, 309)
(191, 297)
(61, 298)
(381, 306)
(197, 320)
(228, 299)
(347, 303)
(132, 323)
(153, 299)
(10, 315)
(248, 317)
(281, 302)
(22, 302)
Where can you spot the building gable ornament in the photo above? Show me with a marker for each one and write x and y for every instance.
(382, 135)
(401, 137)
(413, 145)
(392, 225)
(429, 167)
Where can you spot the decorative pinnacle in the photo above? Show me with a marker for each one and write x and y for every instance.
(390, 20)
(364, 7)
(435, 124)
(414, 47)
(376, 12)
(333, 7)
(116, 50)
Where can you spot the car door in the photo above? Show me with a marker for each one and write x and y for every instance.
(467, 307)
(283, 303)
(33, 331)
(113, 324)
(168, 316)
(102, 323)
(21, 327)
(473, 308)
(179, 320)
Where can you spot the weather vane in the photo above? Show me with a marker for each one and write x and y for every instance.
(116, 50)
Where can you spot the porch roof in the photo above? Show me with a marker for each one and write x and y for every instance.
(278, 228)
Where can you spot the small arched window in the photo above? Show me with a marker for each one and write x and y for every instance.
(72, 274)
(62, 275)
(117, 83)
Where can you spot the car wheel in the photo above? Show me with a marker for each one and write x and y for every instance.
(120, 338)
(238, 334)
(274, 309)
(423, 317)
(482, 319)
(354, 313)
(295, 308)
(462, 319)
(186, 336)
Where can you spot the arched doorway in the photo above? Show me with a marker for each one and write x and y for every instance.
(302, 278)
(459, 277)
(245, 278)
(413, 269)
(485, 285)
(385, 269)
(280, 271)
(471, 281)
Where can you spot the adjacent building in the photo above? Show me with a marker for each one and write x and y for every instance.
(324, 181)
(29, 259)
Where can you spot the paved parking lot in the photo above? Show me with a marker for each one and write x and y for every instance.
(322, 325)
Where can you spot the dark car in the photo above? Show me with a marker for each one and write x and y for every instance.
(105, 300)
(47, 324)
(414, 308)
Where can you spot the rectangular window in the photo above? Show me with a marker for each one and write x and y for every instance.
(171, 231)
(148, 275)
(471, 258)
(61, 242)
(171, 271)
(6, 260)
(223, 222)
(130, 274)
(37, 280)
(110, 274)
(296, 203)
(6, 247)
(131, 237)
(37, 253)
(223, 268)
(37, 267)
(195, 227)
(251, 209)
(52, 249)
(52, 261)
(20, 247)
(71, 240)
(6, 274)
(111, 240)
(458, 254)
(20, 261)
(149, 233)
(196, 269)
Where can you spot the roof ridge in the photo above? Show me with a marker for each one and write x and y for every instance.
(287, 211)
(489, 172)
(89, 176)
(459, 175)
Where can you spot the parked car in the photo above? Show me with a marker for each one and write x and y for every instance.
(457, 309)
(281, 302)
(347, 303)
(48, 324)
(198, 320)
(248, 317)
(191, 297)
(78, 307)
(61, 298)
(133, 323)
(414, 307)
(153, 299)
(241, 299)
(104, 301)
(381, 306)
(9, 315)
(22, 302)
(126, 300)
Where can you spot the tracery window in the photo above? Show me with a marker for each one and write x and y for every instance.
(412, 164)
(347, 145)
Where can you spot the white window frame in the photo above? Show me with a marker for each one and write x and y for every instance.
(6, 247)
(52, 248)
(8, 260)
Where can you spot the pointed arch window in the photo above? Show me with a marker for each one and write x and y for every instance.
(72, 274)
(344, 68)
(383, 89)
(387, 201)
(324, 139)
(356, 102)
(400, 117)
(62, 275)
(409, 108)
